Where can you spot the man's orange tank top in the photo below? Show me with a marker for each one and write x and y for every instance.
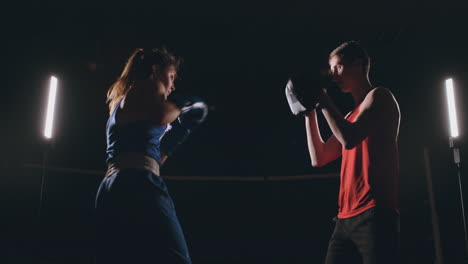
(369, 174)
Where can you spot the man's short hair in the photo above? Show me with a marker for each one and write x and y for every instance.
(351, 51)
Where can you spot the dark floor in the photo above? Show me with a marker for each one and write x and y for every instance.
(224, 221)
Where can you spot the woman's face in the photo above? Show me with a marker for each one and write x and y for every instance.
(165, 81)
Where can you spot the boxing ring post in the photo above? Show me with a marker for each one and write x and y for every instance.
(452, 112)
(48, 129)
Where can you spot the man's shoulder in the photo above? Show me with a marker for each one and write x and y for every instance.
(380, 91)
(381, 94)
(381, 99)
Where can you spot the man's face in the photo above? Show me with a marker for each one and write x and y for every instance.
(344, 74)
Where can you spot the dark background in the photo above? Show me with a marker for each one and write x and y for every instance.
(237, 57)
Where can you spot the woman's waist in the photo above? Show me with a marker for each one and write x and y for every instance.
(119, 148)
(128, 160)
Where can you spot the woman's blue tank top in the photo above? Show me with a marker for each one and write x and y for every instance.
(139, 136)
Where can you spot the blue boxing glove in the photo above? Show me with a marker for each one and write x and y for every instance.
(193, 113)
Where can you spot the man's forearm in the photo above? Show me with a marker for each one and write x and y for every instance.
(340, 127)
(314, 140)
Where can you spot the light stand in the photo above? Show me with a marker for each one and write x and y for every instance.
(456, 160)
(49, 121)
(452, 111)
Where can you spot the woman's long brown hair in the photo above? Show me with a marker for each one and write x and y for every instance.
(139, 67)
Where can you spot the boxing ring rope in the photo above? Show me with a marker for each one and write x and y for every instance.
(195, 178)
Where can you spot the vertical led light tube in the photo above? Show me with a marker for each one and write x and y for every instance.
(451, 108)
(50, 107)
